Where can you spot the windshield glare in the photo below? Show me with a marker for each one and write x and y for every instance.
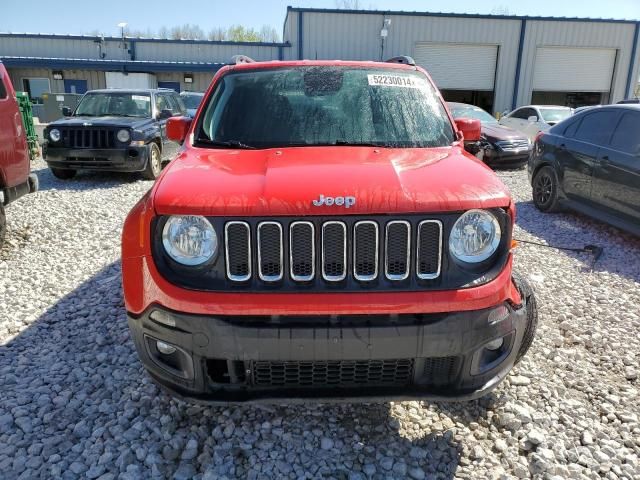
(192, 100)
(325, 106)
(555, 115)
(115, 104)
(472, 112)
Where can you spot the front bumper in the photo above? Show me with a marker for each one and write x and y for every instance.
(129, 159)
(506, 158)
(221, 359)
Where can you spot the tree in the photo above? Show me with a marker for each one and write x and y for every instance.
(269, 34)
(500, 10)
(187, 32)
(238, 33)
(349, 4)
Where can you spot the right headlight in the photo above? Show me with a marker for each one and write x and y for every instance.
(475, 236)
(54, 135)
(190, 240)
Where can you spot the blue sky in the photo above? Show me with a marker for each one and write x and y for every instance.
(82, 16)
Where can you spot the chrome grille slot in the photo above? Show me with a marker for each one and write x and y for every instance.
(365, 250)
(334, 251)
(429, 248)
(397, 251)
(302, 251)
(237, 240)
(270, 255)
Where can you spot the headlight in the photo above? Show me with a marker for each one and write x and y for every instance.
(123, 136)
(475, 236)
(189, 240)
(54, 135)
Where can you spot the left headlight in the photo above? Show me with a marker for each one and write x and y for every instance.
(54, 135)
(190, 240)
(475, 236)
(123, 135)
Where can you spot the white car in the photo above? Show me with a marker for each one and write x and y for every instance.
(532, 119)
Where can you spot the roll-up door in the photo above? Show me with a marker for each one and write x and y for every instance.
(561, 69)
(458, 66)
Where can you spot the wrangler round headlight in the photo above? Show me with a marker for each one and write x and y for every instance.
(189, 239)
(123, 136)
(475, 236)
(54, 135)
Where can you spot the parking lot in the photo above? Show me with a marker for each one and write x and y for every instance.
(76, 402)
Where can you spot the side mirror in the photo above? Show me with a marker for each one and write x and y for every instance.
(164, 114)
(470, 128)
(177, 128)
(66, 111)
(532, 119)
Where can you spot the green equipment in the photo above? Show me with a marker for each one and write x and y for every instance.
(27, 120)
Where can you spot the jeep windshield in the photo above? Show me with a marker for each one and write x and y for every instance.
(119, 104)
(312, 106)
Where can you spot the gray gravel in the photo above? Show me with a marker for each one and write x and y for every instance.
(75, 402)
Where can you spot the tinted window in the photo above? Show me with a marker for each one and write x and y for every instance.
(35, 87)
(308, 106)
(3, 89)
(521, 113)
(570, 131)
(626, 136)
(597, 127)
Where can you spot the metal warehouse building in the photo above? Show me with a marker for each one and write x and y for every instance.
(494, 61)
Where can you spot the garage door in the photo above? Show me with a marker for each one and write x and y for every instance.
(560, 69)
(458, 66)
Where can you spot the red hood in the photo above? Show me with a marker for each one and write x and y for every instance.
(286, 181)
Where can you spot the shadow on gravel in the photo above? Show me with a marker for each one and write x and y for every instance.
(85, 180)
(574, 230)
(76, 403)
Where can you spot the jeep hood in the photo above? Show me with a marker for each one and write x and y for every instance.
(286, 181)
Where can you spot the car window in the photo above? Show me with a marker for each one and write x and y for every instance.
(554, 115)
(520, 113)
(123, 104)
(306, 106)
(3, 89)
(570, 131)
(626, 136)
(179, 108)
(162, 103)
(469, 111)
(597, 127)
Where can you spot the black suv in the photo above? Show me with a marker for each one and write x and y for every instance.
(114, 130)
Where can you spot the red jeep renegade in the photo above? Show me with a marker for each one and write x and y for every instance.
(324, 234)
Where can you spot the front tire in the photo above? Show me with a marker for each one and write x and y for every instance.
(545, 190)
(3, 224)
(63, 173)
(154, 163)
(529, 301)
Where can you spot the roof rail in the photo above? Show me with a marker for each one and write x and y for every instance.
(404, 59)
(237, 59)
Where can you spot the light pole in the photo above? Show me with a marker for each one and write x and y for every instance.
(122, 26)
(384, 33)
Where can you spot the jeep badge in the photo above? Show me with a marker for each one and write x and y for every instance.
(347, 202)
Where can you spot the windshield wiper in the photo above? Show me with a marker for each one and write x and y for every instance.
(361, 144)
(226, 143)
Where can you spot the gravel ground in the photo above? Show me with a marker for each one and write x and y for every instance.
(76, 403)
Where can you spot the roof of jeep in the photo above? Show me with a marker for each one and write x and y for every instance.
(321, 63)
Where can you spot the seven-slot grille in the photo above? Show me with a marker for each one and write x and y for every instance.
(88, 137)
(366, 250)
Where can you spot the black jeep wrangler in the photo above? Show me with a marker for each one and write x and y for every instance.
(114, 130)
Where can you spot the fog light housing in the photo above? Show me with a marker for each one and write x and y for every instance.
(165, 348)
(492, 345)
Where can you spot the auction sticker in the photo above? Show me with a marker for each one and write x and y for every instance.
(394, 81)
(142, 98)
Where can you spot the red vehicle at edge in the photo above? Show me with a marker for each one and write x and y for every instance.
(15, 177)
(323, 233)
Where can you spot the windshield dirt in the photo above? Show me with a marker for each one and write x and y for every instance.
(115, 104)
(324, 106)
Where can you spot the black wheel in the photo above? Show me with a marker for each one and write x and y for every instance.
(63, 173)
(545, 190)
(3, 224)
(529, 300)
(154, 163)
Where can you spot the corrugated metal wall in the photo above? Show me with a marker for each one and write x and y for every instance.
(577, 34)
(200, 52)
(23, 46)
(200, 83)
(94, 79)
(355, 36)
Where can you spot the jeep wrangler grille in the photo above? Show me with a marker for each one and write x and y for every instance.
(88, 137)
(343, 251)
